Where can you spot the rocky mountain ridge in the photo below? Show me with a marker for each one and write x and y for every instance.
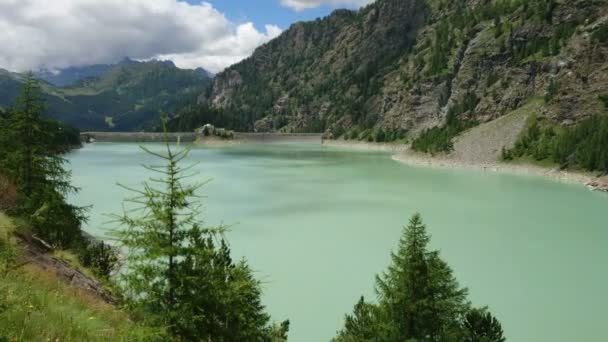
(128, 96)
(409, 65)
(69, 76)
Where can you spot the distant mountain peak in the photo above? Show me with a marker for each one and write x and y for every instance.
(72, 75)
(205, 72)
(127, 61)
(126, 96)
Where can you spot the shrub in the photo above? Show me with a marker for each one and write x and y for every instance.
(7, 253)
(439, 139)
(223, 133)
(56, 221)
(601, 34)
(552, 90)
(583, 146)
(480, 325)
(353, 134)
(8, 194)
(434, 140)
(363, 135)
(506, 154)
(99, 256)
(379, 135)
(338, 131)
(604, 100)
(395, 134)
(493, 77)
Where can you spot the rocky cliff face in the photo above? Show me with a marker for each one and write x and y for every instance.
(403, 65)
(503, 64)
(318, 72)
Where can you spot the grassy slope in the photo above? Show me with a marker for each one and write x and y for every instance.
(36, 306)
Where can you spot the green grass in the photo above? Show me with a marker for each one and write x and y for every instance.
(5, 223)
(36, 306)
(74, 262)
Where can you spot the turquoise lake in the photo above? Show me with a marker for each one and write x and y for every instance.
(318, 223)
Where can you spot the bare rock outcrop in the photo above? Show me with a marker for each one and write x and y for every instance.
(599, 184)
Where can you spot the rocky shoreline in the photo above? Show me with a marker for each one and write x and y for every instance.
(367, 146)
(403, 154)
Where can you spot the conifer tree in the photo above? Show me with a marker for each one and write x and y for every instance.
(481, 326)
(38, 169)
(180, 273)
(365, 324)
(4, 135)
(27, 129)
(419, 292)
(418, 300)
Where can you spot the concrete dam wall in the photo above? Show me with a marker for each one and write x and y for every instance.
(136, 137)
(191, 137)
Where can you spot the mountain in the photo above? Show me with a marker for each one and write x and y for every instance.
(128, 96)
(205, 72)
(405, 66)
(69, 76)
(9, 86)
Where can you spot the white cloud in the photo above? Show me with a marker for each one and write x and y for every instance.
(61, 33)
(218, 54)
(300, 5)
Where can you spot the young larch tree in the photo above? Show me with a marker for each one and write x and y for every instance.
(179, 273)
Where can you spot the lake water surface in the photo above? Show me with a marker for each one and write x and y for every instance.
(318, 223)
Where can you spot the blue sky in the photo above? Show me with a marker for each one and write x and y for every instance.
(263, 12)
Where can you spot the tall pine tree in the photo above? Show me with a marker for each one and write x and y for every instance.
(419, 292)
(38, 169)
(419, 300)
(180, 274)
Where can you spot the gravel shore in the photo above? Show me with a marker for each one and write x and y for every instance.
(365, 146)
(403, 154)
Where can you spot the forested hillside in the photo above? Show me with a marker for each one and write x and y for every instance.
(418, 68)
(127, 97)
(71, 75)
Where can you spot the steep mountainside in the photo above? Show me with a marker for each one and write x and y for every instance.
(403, 66)
(9, 86)
(127, 97)
(69, 76)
